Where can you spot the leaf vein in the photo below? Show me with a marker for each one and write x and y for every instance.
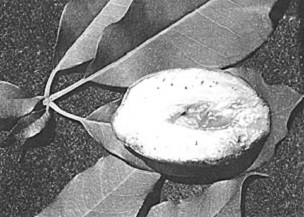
(186, 54)
(117, 4)
(235, 3)
(200, 43)
(220, 25)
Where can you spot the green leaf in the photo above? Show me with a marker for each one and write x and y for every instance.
(98, 126)
(27, 127)
(282, 100)
(10, 91)
(105, 112)
(221, 199)
(158, 35)
(14, 104)
(81, 25)
(110, 188)
(40, 120)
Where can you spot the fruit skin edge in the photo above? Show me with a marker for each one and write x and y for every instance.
(280, 193)
(205, 172)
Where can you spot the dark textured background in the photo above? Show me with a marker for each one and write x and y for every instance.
(27, 38)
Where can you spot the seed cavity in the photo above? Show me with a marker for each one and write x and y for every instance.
(202, 116)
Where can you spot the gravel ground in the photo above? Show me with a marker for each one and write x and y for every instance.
(27, 38)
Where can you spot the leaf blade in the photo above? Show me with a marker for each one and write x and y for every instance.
(14, 104)
(81, 25)
(10, 91)
(222, 198)
(110, 188)
(282, 100)
(26, 128)
(98, 126)
(17, 107)
(183, 44)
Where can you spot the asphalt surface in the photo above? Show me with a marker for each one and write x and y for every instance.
(27, 38)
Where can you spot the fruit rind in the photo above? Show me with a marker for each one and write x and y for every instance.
(191, 117)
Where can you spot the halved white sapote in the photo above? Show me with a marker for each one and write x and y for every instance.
(191, 117)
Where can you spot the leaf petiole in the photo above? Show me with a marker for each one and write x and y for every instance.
(82, 81)
(57, 109)
(50, 81)
(68, 89)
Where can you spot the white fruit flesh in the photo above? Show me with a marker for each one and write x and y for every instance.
(191, 115)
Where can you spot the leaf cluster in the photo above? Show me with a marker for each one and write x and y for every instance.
(121, 41)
